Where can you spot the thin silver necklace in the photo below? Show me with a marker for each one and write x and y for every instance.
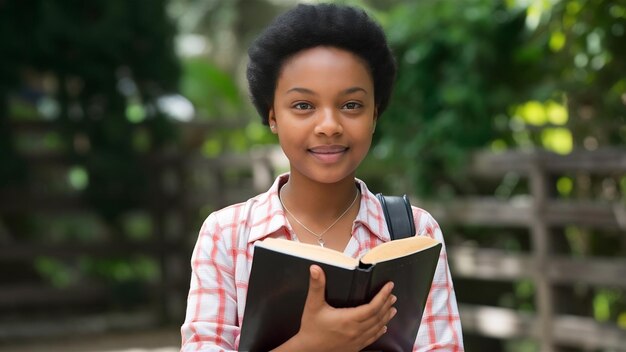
(320, 238)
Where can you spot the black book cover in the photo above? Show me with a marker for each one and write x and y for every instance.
(279, 284)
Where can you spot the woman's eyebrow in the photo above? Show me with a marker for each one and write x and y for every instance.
(301, 90)
(353, 90)
(310, 92)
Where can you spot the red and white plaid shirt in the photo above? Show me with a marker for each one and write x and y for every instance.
(222, 259)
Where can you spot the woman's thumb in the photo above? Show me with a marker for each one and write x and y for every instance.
(317, 285)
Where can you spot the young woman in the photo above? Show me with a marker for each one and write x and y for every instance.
(320, 76)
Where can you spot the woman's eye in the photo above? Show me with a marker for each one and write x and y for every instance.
(352, 105)
(302, 106)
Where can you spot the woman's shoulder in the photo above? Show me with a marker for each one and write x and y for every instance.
(425, 223)
(252, 216)
(420, 214)
(235, 212)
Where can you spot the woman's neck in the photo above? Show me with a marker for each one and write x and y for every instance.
(316, 201)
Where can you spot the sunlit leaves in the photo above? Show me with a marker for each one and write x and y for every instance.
(57, 273)
(558, 140)
(557, 41)
(78, 178)
(536, 11)
(212, 91)
(256, 132)
(564, 186)
(533, 113)
(135, 113)
(211, 148)
(556, 113)
(456, 72)
(604, 301)
(621, 320)
(538, 114)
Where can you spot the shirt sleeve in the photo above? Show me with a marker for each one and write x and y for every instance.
(211, 317)
(440, 329)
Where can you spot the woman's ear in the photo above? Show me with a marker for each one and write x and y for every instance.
(272, 120)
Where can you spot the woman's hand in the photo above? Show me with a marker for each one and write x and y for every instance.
(324, 328)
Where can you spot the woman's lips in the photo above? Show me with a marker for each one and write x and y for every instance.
(328, 153)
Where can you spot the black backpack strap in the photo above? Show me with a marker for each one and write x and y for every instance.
(399, 215)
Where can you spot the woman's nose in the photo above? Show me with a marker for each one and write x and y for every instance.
(329, 122)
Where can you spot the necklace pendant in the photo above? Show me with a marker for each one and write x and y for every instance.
(321, 242)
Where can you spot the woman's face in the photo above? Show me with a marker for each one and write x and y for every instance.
(324, 113)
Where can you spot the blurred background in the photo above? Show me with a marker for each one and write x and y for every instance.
(123, 124)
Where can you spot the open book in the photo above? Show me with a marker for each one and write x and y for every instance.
(279, 281)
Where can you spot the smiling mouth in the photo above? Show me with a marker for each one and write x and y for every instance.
(331, 149)
(328, 154)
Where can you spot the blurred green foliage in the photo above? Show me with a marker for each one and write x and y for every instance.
(213, 92)
(107, 63)
(459, 67)
(217, 98)
(488, 73)
(498, 75)
(94, 71)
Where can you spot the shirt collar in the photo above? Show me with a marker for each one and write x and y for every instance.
(371, 214)
(269, 216)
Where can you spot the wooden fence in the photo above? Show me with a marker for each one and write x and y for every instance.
(35, 306)
(540, 214)
(184, 188)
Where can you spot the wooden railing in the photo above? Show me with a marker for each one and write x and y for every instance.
(186, 187)
(32, 306)
(540, 214)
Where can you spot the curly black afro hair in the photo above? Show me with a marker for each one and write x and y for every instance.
(308, 26)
